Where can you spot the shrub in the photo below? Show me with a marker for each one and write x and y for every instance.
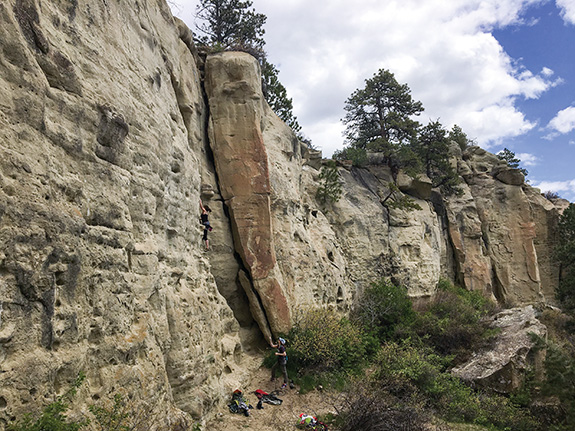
(135, 411)
(451, 322)
(321, 340)
(408, 364)
(382, 307)
(560, 379)
(331, 186)
(358, 156)
(397, 200)
(379, 405)
(551, 195)
(124, 414)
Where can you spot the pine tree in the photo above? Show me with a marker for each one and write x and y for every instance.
(512, 161)
(331, 186)
(276, 96)
(432, 147)
(457, 135)
(231, 24)
(378, 116)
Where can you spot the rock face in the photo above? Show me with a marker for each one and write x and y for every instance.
(494, 227)
(107, 145)
(103, 152)
(235, 97)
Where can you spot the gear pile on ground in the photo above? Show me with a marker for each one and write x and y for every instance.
(264, 397)
(239, 403)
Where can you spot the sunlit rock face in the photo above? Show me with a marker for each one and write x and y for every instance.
(101, 263)
(503, 232)
(111, 131)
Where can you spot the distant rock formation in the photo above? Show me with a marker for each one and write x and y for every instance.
(112, 127)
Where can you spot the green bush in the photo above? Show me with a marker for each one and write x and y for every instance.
(382, 307)
(330, 188)
(121, 414)
(113, 417)
(381, 405)
(560, 379)
(358, 156)
(451, 321)
(322, 340)
(408, 364)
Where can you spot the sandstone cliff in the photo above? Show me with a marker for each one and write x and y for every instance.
(112, 129)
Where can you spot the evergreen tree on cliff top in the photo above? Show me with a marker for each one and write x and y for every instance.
(233, 25)
(378, 116)
(230, 24)
(276, 96)
(512, 161)
(432, 147)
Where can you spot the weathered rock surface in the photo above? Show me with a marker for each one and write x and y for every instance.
(106, 147)
(504, 365)
(102, 157)
(494, 231)
(236, 100)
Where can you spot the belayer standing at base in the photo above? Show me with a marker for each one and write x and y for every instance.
(282, 360)
(206, 223)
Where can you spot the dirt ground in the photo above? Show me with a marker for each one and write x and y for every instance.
(285, 417)
(272, 418)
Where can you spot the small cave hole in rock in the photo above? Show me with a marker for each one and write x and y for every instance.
(339, 295)
(314, 213)
(176, 167)
(3, 403)
(330, 256)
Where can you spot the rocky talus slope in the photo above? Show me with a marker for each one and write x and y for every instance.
(111, 130)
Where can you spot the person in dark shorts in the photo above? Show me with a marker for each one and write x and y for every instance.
(282, 360)
(206, 223)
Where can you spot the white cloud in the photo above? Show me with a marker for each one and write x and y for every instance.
(443, 50)
(563, 122)
(528, 159)
(547, 72)
(563, 188)
(567, 10)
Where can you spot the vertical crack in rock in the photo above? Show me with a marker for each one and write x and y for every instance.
(194, 109)
(235, 99)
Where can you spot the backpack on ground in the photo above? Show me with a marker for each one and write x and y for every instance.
(239, 403)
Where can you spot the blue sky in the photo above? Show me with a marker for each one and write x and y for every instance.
(503, 70)
(546, 40)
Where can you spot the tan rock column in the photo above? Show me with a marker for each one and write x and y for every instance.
(233, 86)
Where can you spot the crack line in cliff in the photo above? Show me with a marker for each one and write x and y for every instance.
(258, 298)
(211, 159)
